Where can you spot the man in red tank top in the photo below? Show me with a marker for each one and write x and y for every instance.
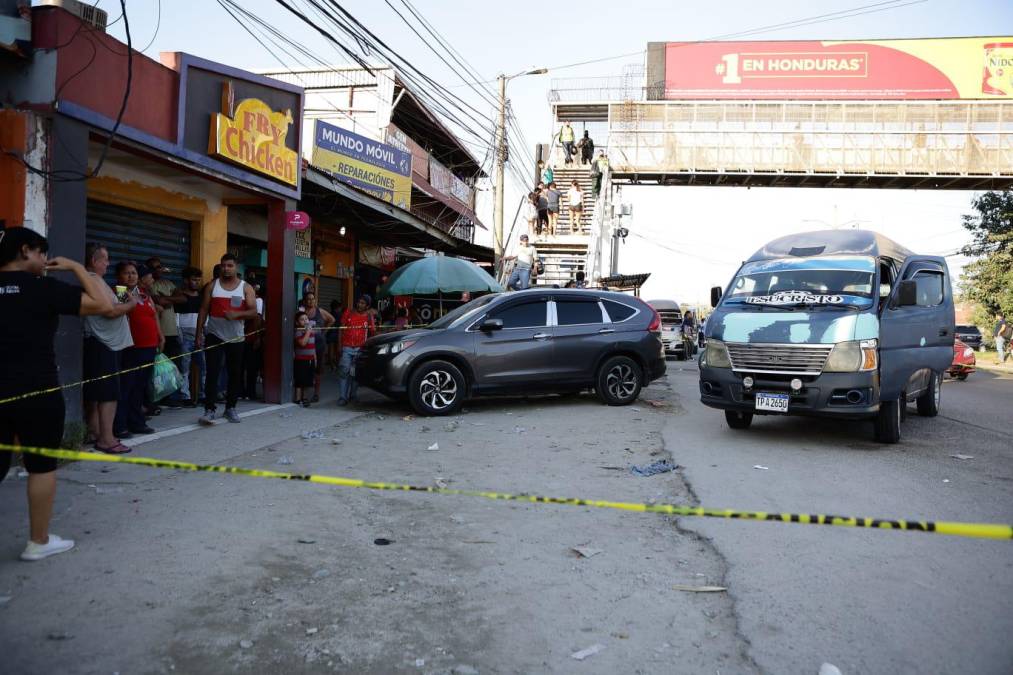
(228, 302)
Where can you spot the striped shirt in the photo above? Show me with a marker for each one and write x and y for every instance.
(308, 351)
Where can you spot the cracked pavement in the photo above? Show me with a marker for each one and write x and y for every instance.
(211, 573)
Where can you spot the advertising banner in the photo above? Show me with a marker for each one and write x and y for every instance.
(450, 185)
(943, 68)
(377, 168)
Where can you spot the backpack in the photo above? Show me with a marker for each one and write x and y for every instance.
(1007, 331)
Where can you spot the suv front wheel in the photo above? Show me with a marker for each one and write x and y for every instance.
(619, 380)
(436, 388)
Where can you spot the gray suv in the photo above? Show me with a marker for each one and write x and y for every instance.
(538, 340)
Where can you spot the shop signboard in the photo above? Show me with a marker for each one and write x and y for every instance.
(441, 178)
(303, 243)
(377, 168)
(252, 135)
(297, 220)
(933, 68)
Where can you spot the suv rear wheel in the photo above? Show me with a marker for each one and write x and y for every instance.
(436, 388)
(619, 380)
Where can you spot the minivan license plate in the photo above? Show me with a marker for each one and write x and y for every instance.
(772, 402)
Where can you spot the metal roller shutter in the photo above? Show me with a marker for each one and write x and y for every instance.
(330, 289)
(129, 234)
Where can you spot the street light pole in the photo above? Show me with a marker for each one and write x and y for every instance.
(501, 145)
(500, 166)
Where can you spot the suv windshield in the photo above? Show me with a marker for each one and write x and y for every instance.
(829, 281)
(449, 318)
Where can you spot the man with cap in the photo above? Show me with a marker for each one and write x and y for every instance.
(525, 259)
(356, 326)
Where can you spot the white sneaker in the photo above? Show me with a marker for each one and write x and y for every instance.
(208, 419)
(55, 545)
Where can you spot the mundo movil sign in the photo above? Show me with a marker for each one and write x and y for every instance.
(377, 168)
(919, 69)
(252, 135)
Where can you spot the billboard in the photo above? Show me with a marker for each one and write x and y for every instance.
(377, 168)
(253, 136)
(936, 68)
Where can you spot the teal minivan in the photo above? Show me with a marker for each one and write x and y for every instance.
(836, 323)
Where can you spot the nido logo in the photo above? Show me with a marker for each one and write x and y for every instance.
(997, 76)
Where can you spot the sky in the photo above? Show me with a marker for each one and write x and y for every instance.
(689, 238)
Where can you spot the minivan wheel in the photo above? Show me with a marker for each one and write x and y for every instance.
(619, 381)
(738, 420)
(887, 423)
(436, 388)
(928, 403)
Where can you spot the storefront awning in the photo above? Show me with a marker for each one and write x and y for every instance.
(379, 221)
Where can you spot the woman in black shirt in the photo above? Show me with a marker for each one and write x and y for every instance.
(30, 307)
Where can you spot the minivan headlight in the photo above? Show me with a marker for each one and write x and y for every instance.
(853, 357)
(715, 355)
(395, 347)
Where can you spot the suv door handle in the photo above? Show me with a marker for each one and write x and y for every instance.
(605, 331)
(542, 336)
(943, 332)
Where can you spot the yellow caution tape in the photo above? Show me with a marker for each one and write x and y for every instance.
(976, 530)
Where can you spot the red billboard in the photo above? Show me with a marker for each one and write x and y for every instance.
(937, 68)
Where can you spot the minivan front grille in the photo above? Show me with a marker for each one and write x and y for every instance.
(778, 358)
(670, 317)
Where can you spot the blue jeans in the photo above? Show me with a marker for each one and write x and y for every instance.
(520, 278)
(347, 386)
(186, 338)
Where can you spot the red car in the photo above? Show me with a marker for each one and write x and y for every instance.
(963, 361)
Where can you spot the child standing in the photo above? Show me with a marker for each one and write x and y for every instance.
(305, 365)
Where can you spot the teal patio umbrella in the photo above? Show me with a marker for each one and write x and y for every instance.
(439, 274)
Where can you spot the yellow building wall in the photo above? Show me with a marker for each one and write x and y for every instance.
(209, 225)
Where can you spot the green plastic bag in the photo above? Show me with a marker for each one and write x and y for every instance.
(165, 378)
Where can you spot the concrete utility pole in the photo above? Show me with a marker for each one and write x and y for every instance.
(500, 166)
(501, 146)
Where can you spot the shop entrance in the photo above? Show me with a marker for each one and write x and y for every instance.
(129, 234)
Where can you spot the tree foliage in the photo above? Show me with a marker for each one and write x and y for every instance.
(988, 280)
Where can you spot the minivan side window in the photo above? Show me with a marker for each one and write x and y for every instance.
(525, 315)
(577, 312)
(618, 311)
(929, 288)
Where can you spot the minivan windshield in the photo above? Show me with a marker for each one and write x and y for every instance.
(830, 281)
(449, 318)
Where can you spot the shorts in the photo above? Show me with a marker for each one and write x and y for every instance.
(37, 422)
(554, 209)
(576, 207)
(100, 361)
(303, 372)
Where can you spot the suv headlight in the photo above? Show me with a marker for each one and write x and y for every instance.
(395, 347)
(853, 357)
(715, 355)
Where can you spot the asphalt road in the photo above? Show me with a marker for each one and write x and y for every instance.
(208, 573)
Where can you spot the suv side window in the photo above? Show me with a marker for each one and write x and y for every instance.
(524, 315)
(930, 288)
(618, 311)
(577, 312)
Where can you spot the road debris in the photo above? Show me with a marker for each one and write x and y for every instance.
(420, 663)
(309, 435)
(586, 551)
(519, 430)
(441, 482)
(306, 541)
(381, 541)
(450, 427)
(322, 573)
(829, 669)
(284, 460)
(434, 447)
(761, 467)
(960, 456)
(312, 631)
(408, 418)
(656, 467)
(657, 404)
(245, 644)
(335, 441)
(699, 589)
(590, 651)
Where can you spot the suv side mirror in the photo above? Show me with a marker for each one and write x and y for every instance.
(715, 296)
(490, 325)
(907, 293)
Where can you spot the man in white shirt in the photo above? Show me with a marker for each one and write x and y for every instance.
(525, 259)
